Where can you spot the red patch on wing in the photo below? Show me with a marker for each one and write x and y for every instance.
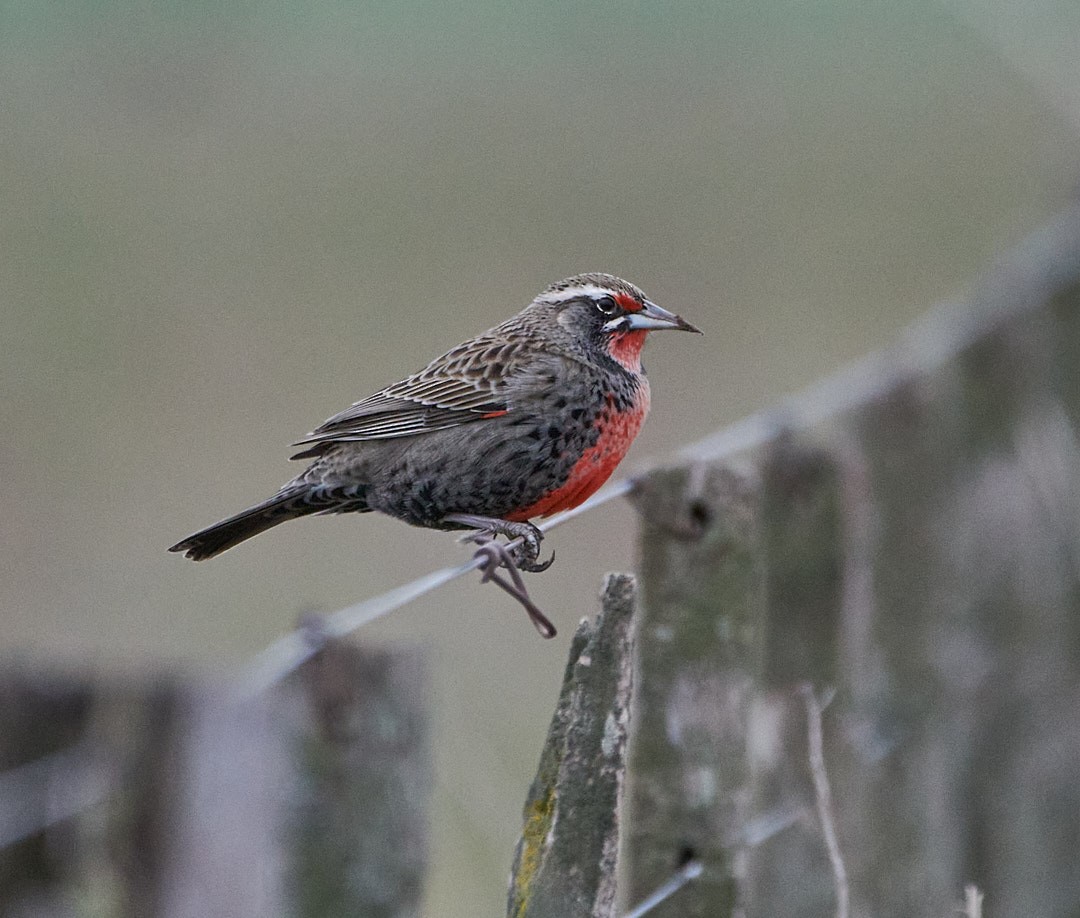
(493, 414)
(628, 302)
(625, 347)
(617, 432)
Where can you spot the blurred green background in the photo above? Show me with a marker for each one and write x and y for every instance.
(221, 223)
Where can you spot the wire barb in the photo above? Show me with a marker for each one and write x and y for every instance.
(289, 652)
(495, 554)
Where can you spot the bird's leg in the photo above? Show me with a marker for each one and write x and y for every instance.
(486, 525)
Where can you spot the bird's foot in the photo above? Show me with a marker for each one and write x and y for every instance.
(485, 527)
(496, 555)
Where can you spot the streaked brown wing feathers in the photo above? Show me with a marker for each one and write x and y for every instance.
(464, 385)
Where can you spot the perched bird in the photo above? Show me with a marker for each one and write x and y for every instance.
(527, 419)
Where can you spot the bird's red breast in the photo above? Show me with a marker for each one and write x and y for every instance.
(617, 431)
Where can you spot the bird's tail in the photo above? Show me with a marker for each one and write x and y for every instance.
(286, 505)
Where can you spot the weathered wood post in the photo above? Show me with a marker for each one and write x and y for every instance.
(915, 558)
(309, 799)
(566, 861)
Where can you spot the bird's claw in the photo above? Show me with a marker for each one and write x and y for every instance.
(524, 555)
(534, 566)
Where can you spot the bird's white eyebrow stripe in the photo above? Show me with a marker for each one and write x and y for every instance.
(576, 293)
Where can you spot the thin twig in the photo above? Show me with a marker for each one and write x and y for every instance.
(823, 798)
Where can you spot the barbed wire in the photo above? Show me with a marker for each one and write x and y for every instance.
(930, 341)
(691, 870)
(937, 334)
(51, 789)
(292, 650)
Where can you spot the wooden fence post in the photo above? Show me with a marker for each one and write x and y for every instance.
(307, 800)
(565, 863)
(860, 644)
(698, 656)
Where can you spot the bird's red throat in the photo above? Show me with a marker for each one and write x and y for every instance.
(625, 348)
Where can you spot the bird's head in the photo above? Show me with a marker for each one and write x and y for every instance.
(605, 312)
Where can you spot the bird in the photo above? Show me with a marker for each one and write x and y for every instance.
(523, 421)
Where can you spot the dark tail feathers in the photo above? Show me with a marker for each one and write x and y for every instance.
(213, 540)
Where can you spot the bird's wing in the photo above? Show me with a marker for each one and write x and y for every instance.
(469, 383)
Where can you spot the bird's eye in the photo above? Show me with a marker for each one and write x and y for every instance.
(607, 305)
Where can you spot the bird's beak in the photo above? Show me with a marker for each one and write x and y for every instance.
(653, 318)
